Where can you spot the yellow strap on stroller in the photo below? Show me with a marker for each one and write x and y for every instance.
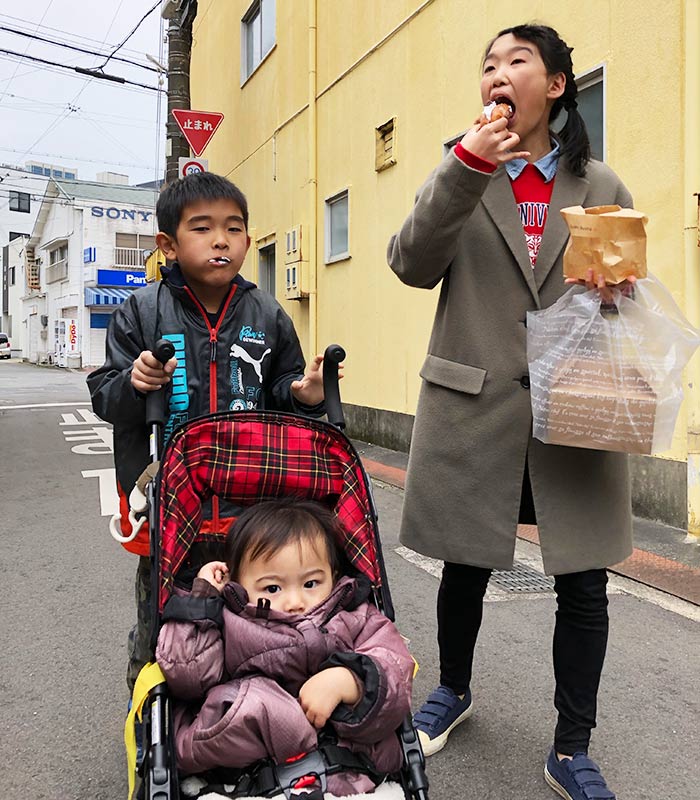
(150, 676)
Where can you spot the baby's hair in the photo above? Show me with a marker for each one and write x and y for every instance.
(556, 55)
(265, 528)
(192, 189)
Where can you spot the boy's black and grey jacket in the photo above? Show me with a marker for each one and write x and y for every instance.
(247, 359)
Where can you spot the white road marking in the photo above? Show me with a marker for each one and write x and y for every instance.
(528, 553)
(109, 499)
(47, 405)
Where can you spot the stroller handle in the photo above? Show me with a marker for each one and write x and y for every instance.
(155, 401)
(333, 355)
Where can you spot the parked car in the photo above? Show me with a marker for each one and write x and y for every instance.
(5, 348)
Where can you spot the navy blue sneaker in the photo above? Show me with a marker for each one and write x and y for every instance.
(577, 778)
(438, 716)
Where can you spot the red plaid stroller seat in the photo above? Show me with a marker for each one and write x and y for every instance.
(239, 459)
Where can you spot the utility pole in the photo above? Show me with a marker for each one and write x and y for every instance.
(179, 51)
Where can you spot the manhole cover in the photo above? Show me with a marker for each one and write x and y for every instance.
(522, 579)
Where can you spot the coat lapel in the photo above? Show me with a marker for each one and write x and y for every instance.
(568, 190)
(500, 204)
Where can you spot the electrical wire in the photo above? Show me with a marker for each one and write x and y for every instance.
(126, 39)
(46, 11)
(95, 73)
(74, 47)
(67, 36)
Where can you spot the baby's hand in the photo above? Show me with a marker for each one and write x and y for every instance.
(322, 692)
(148, 374)
(216, 572)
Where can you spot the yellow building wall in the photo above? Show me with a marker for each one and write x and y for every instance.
(419, 61)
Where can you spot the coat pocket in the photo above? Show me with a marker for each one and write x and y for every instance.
(451, 375)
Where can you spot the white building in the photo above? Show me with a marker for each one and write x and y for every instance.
(84, 257)
(21, 192)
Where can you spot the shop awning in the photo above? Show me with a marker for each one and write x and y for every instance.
(105, 297)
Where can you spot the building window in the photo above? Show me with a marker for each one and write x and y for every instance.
(47, 171)
(257, 35)
(11, 276)
(591, 106)
(58, 255)
(37, 170)
(385, 145)
(337, 227)
(70, 175)
(58, 264)
(20, 201)
(266, 268)
(130, 249)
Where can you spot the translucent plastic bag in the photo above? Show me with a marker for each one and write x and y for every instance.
(609, 377)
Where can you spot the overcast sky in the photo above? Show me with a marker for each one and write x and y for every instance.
(57, 116)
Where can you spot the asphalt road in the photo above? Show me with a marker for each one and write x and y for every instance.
(67, 607)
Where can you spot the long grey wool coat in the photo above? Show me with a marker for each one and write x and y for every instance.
(473, 429)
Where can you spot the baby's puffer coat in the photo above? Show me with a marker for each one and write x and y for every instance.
(237, 639)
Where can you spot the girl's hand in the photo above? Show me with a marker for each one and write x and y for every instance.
(148, 374)
(605, 290)
(309, 390)
(493, 142)
(216, 572)
(322, 693)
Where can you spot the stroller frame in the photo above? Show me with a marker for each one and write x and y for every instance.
(323, 476)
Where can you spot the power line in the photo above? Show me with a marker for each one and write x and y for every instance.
(133, 31)
(67, 36)
(93, 73)
(74, 47)
(70, 158)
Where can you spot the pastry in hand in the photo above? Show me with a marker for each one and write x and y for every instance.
(494, 111)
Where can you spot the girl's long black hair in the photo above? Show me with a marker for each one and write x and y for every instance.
(556, 55)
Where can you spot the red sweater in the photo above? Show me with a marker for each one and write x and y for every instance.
(532, 196)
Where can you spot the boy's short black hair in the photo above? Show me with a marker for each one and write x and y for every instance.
(193, 189)
(265, 528)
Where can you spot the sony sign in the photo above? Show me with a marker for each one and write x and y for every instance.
(121, 213)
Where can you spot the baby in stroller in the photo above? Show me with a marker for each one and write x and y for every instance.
(277, 644)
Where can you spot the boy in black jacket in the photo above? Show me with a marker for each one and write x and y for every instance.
(235, 348)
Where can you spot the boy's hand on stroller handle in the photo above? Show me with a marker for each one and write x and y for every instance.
(148, 374)
(309, 390)
(321, 693)
(216, 573)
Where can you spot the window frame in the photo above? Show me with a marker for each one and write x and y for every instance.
(328, 203)
(17, 198)
(587, 79)
(257, 10)
(262, 247)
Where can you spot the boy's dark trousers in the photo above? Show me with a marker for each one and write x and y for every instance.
(580, 639)
(139, 636)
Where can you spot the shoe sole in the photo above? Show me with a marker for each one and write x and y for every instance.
(554, 784)
(432, 746)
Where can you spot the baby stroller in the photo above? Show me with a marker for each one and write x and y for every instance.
(242, 458)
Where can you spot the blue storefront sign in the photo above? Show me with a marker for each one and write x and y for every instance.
(121, 277)
(89, 255)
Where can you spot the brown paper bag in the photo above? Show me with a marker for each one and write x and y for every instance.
(609, 240)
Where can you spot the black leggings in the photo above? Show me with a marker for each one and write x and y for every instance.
(580, 639)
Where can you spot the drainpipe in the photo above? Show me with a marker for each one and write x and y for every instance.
(691, 235)
(312, 185)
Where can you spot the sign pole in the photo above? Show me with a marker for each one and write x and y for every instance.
(179, 50)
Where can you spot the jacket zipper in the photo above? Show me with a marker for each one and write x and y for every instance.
(213, 373)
